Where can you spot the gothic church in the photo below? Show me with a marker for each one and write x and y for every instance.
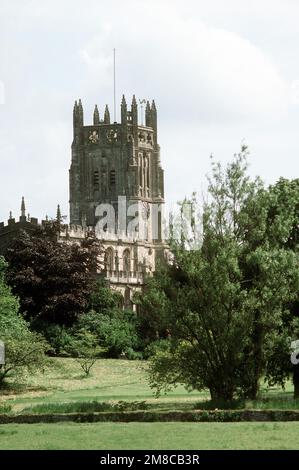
(116, 186)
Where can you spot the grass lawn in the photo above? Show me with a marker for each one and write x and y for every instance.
(120, 380)
(150, 436)
(110, 380)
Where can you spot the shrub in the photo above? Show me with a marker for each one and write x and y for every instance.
(155, 346)
(59, 337)
(86, 349)
(24, 349)
(116, 332)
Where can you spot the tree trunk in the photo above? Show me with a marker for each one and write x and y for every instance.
(257, 341)
(223, 394)
(296, 381)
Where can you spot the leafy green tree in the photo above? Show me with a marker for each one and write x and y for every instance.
(24, 350)
(283, 231)
(102, 298)
(86, 350)
(223, 300)
(116, 332)
(52, 279)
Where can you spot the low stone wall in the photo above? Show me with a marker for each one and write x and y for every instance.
(155, 416)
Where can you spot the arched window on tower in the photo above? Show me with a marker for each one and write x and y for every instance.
(126, 261)
(109, 257)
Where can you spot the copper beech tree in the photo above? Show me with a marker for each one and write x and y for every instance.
(53, 279)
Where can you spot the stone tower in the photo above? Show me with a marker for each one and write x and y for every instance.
(114, 159)
(118, 165)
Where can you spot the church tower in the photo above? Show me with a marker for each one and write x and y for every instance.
(119, 162)
(110, 160)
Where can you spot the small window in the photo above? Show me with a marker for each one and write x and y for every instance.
(112, 178)
(96, 178)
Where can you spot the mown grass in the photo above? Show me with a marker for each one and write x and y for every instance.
(152, 436)
(122, 385)
(116, 385)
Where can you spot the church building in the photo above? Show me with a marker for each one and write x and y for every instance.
(116, 186)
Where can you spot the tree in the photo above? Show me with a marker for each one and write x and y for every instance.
(115, 331)
(86, 349)
(223, 300)
(283, 231)
(24, 350)
(53, 279)
(103, 299)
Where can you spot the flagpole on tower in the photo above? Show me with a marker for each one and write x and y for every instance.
(114, 85)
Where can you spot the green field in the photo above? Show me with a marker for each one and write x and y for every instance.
(119, 380)
(111, 380)
(150, 436)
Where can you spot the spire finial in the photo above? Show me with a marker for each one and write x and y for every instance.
(96, 116)
(124, 112)
(80, 113)
(134, 111)
(58, 214)
(106, 115)
(148, 116)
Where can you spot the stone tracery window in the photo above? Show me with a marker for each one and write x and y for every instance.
(109, 258)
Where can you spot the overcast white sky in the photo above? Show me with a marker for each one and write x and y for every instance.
(219, 71)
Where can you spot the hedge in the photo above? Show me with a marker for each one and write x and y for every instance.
(156, 416)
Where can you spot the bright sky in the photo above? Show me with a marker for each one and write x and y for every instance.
(219, 71)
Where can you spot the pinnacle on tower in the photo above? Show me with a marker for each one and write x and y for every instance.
(96, 116)
(23, 208)
(80, 113)
(148, 115)
(134, 102)
(154, 120)
(123, 110)
(134, 111)
(58, 214)
(75, 116)
(106, 115)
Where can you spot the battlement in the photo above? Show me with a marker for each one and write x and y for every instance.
(12, 223)
(10, 228)
(129, 129)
